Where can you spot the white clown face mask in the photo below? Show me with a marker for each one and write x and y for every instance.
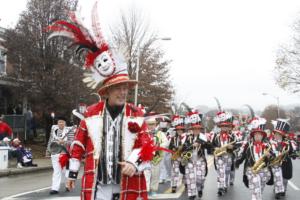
(104, 64)
(194, 118)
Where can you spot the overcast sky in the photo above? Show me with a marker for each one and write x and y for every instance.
(222, 48)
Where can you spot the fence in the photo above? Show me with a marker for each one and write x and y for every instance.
(18, 124)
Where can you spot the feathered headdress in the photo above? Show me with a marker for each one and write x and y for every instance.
(105, 67)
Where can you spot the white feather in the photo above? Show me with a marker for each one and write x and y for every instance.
(61, 34)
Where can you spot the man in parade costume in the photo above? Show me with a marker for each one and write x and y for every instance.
(281, 165)
(224, 146)
(165, 164)
(196, 143)
(113, 136)
(255, 153)
(176, 145)
(160, 139)
(57, 143)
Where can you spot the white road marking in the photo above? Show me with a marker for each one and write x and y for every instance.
(293, 185)
(24, 193)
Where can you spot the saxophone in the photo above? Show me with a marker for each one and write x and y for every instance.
(222, 150)
(278, 160)
(260, 163)
(177, 153)
(186, 156)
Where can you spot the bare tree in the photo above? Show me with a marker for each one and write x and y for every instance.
(134, 37)
(288, 64)
(51, 80)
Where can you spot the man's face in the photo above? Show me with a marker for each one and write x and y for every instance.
(61, 124)
(225, 128)
(196, 131)
(258, 137)
(151, 126)
(278, 137)
(117, 94)
(179, 131)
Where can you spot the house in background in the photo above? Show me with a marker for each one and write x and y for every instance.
(9, 102)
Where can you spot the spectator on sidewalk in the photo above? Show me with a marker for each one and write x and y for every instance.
(5, 130)
(28, 116)
(23, 155)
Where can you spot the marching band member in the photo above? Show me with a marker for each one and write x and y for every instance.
(239, 137)
(176, 145)
(160, 140)
(199, 143)
(224, 146)
(113, 135)
(57, 144)
(256, 155)
(165, 172)
(281, 165)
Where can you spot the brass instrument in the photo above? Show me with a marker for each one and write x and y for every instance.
(157, 158)
(177, 153)
(278, 160)
(186, 156)
(222, 150)
(260, 164)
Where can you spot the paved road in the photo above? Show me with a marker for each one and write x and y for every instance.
(36, 186)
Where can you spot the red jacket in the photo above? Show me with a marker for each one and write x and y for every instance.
(87, 142)
(5, 129)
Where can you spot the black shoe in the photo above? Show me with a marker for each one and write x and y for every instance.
(200, 194)
(53, 192)
(277, 196)
(173, 189)
(67, 189)
(192, 197)
(282, 194)
(220, 192)
(231, 184)
(225, 189)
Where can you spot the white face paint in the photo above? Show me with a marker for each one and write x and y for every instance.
(194, 118)
(222, 117)
(104, 64)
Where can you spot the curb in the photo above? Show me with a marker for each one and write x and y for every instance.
(11, 172)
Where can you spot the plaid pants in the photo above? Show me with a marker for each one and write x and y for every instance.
(190, 178)
(223, 164)
(200, 167)
(278, 179)
(175, 173)
(257, 182)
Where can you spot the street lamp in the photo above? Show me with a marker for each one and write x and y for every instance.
(138, 68)
(277, 99)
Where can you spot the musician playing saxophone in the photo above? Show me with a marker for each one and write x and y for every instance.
(224, 143)
(196, 144)
(255, 153)
(176, 145)
(281, 164)
(160, 140)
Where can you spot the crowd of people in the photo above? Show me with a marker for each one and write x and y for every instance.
(127, 151)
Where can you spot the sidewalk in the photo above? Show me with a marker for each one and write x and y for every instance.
(43, 164)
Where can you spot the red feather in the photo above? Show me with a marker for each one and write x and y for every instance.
(63, 159)
(147, 151)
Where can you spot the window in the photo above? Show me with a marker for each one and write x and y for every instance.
(2, 62)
